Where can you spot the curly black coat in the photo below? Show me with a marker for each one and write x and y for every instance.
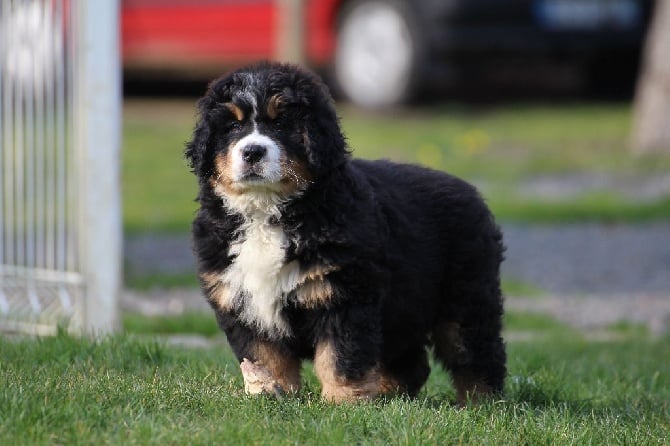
(378, 261)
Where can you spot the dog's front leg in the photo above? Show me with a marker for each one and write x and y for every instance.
(267, 367)
(346, 360)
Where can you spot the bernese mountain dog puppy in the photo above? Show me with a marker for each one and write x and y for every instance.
(361, 266)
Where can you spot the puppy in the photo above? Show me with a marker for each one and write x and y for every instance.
(360, 266)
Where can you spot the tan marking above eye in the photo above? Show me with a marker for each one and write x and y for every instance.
(235, 110)
(273, 106)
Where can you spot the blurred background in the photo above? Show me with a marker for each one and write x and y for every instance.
(391, 52)
(557, 110)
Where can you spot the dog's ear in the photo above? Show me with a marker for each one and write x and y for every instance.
(196, 149)
(324, 142)
(218, 92)
(325, 146)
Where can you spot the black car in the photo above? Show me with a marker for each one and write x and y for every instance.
(388, 51)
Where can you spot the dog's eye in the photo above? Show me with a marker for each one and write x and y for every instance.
(234, 125)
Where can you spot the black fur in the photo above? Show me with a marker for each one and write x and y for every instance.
(415, 252)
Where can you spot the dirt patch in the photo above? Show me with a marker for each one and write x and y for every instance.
(591, 313)
(597, 312)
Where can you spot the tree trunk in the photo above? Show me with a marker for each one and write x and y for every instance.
(651, 120)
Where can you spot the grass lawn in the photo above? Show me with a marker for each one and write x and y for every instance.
(132, 389)
(499, 147)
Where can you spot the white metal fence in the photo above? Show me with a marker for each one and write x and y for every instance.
(59, 161)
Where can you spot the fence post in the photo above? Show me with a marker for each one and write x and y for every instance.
(100, 139)
(290, 31)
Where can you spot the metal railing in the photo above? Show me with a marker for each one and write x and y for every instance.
(52, 85)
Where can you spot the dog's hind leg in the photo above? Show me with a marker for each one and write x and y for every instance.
(474, 355)
(468, 325)
(408, 368)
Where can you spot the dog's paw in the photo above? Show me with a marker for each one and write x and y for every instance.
(258, 380)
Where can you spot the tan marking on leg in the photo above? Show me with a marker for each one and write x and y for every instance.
(388, 385)
(451, 349)
(217, 292)
(469, 387)
(338, 389)
(258, 380)
(285, 369)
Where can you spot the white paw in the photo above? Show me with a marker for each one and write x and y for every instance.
(258, 380)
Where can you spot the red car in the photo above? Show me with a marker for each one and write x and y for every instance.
(380, 52)
(207, 35)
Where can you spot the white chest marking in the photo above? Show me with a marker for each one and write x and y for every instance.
(259, 276)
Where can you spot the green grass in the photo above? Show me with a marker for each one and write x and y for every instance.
(129, 390)
(144, 282)
(203, 324)
(515, 287)
(499, 146)
(158, 189)
(510, 286)
(591, 207)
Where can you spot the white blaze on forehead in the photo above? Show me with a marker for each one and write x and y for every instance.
(249, 97)
(269, 167)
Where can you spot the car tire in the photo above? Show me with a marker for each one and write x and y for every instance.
(378, 53)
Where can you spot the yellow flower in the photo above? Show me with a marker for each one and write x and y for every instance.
(475, 141)
(429, 154)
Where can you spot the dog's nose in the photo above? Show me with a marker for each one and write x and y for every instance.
(253, 153)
